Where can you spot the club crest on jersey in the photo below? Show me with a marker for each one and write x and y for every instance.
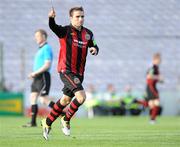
(87, 36)
(76, 81)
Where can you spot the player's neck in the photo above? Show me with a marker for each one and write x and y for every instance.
(77, 27)
(42, 44)
(156, 64)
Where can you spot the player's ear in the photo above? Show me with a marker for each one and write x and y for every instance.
(70, 18)
(44, 36)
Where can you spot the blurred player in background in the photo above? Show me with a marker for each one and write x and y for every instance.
(41, 75)
(152, 94)
(74, 41)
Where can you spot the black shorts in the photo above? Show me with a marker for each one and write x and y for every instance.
(72, 83)
(151, 93)
(41, 84)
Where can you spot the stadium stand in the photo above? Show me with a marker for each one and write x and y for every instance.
(127, 32)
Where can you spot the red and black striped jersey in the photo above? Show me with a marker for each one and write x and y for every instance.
(74, 46)
(154, 71)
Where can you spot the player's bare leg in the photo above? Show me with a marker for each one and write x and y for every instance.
(154, 108)
(34, 110)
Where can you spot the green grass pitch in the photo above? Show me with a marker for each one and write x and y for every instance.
(97, 132)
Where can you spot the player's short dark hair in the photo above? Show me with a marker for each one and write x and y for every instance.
(157, 55)
(75, 9)
(43, 32)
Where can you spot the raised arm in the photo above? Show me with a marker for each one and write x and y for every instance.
(57, 29)
(152, 74)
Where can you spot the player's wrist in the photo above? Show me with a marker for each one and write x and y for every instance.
(34, 74)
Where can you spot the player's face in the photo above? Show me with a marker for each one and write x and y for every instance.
(39, 38)
(77, 18)
(157, 60)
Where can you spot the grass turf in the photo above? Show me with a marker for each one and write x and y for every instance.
(97, 132)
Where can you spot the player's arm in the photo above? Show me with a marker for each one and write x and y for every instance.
(94, 49)
(57, 29)
(48, 58)
(160, 78)
(44, 68)
(152, 76)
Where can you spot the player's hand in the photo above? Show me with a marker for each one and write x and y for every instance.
(52, 14)
(93, 51)
(32, 75)
(161, 79)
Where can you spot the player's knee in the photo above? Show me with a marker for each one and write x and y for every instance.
(42, 101)
(156, 103)
(65, 100)
(33, 100)
(81, 98)
(150, 103)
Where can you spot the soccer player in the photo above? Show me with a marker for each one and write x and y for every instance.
(40, 75)
(152, 78)
(75, 40)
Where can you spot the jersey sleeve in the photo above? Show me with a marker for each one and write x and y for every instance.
(92, 43)
(48, 53)
(59, 30)
(153, 71)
